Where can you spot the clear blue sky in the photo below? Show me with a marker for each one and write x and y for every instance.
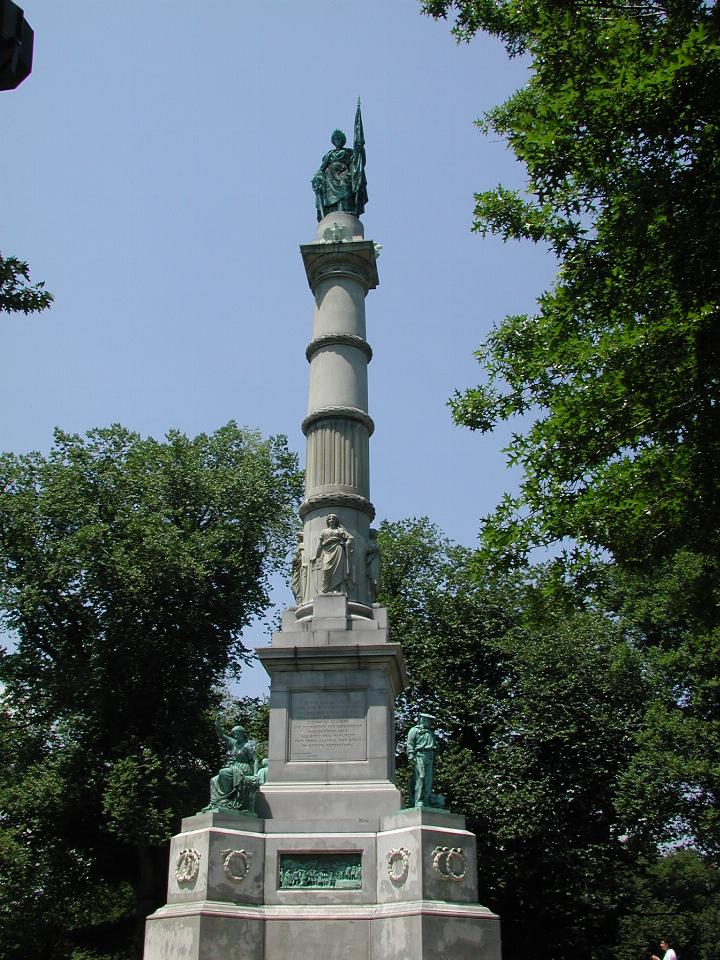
(156, 173)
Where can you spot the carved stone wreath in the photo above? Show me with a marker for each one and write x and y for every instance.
(187, 865)
(320, 500)
(450, 863)
(236, 863)
(398, 862)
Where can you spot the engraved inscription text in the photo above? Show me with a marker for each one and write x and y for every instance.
(328, 725)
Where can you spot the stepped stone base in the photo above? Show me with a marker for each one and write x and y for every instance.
(420, 930)
(332, 868)
(414, 897)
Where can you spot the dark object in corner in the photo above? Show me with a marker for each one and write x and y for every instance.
(16, 46)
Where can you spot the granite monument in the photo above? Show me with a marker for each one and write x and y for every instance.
(327, 862)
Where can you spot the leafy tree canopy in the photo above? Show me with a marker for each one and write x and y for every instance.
(618, 370)
(676, 896)
(616, 378)
(128, 569)
(539, 698)
(17, 295)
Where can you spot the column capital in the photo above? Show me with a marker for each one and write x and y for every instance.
(349, 258)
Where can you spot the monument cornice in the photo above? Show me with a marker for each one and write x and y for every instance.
(345, 339)
(318, 912)
(351, 258)
(388, 656)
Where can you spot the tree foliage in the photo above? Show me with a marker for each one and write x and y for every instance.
(128, 569)
(539, 697)
(617, 375)
(676, 896)
(17, 294)
(618, 131)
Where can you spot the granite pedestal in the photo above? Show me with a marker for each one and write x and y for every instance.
(332, 867)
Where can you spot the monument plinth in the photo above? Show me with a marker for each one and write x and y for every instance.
(329, 865)
(334, 680)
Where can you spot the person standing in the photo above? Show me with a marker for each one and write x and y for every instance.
(669, 953)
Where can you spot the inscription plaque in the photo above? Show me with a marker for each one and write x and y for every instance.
(319, 871)
(328, 725)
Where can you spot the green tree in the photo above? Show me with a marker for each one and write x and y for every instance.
(676, 896)
(538, 697)
(617, 374)
(50, 894)
(618, 131)
(17, 295)
(128, 569)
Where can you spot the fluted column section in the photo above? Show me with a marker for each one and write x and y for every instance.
(337, 426)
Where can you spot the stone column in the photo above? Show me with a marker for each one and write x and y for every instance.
(340, 266)
(330, 866)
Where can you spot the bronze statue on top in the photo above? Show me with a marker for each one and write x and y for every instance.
(340, 183)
